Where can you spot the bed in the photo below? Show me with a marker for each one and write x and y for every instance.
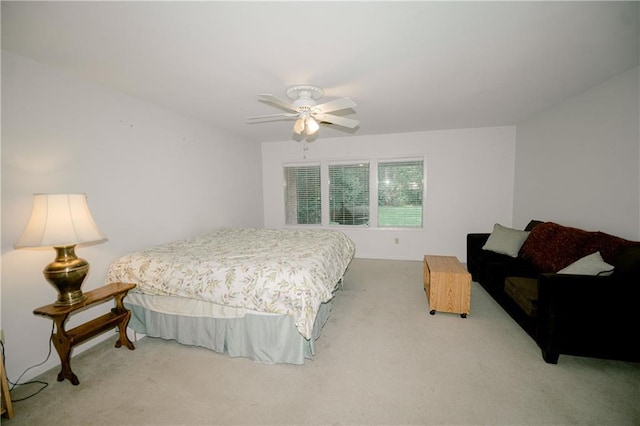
(259, 293)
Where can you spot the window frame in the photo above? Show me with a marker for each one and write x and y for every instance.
(348, 163)
(423, 185)
(373, 190)
(308, 165)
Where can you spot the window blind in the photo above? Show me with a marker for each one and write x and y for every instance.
(349, 194)
(302, 194)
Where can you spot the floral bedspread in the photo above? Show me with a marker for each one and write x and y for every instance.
(279, 271)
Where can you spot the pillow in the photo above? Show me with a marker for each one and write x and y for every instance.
(505, 240)
(592, 264)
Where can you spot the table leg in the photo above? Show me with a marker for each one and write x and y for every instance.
(122, 326)
(62, 343)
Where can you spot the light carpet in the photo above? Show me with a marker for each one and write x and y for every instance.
(381, 359)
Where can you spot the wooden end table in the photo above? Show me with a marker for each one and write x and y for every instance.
(447, 284)
(6, 406)
(65, 340)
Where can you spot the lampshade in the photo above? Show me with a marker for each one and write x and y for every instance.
(312, 126)
(298, 127)
(59, 220)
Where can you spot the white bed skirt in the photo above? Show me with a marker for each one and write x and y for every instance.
(266, 338)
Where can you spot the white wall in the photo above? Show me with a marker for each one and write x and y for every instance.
(578, 162)
(150, 176)
(469, 186)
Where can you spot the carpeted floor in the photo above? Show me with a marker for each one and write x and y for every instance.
(382, 359)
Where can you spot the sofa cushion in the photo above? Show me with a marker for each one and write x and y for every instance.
(532, 224)
(524, 291)
(551, 247)
(627, 262)
(505, 240)
(592, 264)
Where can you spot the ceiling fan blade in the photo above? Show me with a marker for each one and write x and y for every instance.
(282, 114)
(335, 105)
(336, 119)
(274, 100)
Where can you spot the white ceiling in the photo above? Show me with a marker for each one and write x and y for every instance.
(410, 66)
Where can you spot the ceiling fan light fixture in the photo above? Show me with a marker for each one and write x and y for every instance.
(312, 126)
(298, 127)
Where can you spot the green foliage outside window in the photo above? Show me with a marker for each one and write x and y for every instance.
(349, 194)
(302, 195)
(400, 194)
(400, 188)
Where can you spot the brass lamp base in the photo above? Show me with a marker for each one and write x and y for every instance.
(66, 273)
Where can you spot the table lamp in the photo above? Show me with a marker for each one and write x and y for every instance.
(61, 221)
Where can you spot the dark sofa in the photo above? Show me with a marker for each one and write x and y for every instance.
(563, 311)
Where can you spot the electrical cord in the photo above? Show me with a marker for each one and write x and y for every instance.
(17, 382)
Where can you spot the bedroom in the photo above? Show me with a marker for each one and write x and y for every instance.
(153, 174)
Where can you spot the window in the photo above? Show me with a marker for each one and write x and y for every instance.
(302, 195)
(332, 193)
(400, 187)
(349, 194)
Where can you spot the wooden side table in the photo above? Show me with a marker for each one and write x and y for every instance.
(65, 340)
(447, 284)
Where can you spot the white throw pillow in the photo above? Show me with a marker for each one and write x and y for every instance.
(505, 240)
(592, 264)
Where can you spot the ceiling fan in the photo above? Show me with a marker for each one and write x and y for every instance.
(305, 109)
